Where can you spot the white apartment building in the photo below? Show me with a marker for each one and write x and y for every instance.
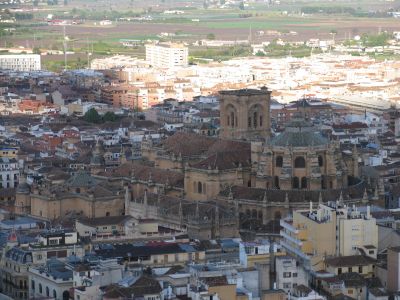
(289, 274)
(20, 62)
(167, 55)
(9, 172)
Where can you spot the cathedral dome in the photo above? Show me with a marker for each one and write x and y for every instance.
(299, 133)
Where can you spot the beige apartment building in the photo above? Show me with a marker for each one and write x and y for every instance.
(167, 55)
(330, 230)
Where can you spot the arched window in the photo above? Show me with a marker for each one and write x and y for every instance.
(249, 122)
(65, 295)
(33, 284)
(255, 118)
(320, 161)
(303, 182)
(54, 294)
(47, 291)
(232, 119)
(228, 121)
(295, 182)
(40, 288)
(199, 188)
(279, 161)
(300, 162)
(276, 183)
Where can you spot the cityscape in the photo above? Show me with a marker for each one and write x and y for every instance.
(199, 150)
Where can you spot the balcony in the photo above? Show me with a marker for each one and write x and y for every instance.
(288, 226)
(291, 239)
(294, 250)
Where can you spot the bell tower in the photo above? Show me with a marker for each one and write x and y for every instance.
(245, 114)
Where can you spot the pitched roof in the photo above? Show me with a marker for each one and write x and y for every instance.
(225, 160)
(81, 179)
(348, 261)
(143, 286)
(188, 144)
(143, 172)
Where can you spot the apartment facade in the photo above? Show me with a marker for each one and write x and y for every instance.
(9, 173)
(23, 62)
(167, 55)
(329, 230)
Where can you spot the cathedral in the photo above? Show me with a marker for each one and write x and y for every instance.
(210, 186)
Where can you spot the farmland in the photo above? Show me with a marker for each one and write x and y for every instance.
(258, 21)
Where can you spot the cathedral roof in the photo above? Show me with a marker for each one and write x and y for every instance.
(299, 133)
(245, 92)
(81, 179)
(225, 160)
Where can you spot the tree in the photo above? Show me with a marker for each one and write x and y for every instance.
(109, 117)
(92, 116)
(36, 50)
(211, 36)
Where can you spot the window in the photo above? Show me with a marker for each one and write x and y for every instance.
(47, 291)
(300, 162)
(360, 269)
(249, 122)
(276, 183)
(199, 188)
(287, 274)
(350, 269)
(53, 242)
(255, 118)
(279, 161)
(303, 182)
(320, 161)
(339, 271)
(286, 285)
(295, 182)
(40, 288)
(54, 294)
(294, 274)
(232, 119)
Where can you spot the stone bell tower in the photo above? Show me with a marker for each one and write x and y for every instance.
(245, 114)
